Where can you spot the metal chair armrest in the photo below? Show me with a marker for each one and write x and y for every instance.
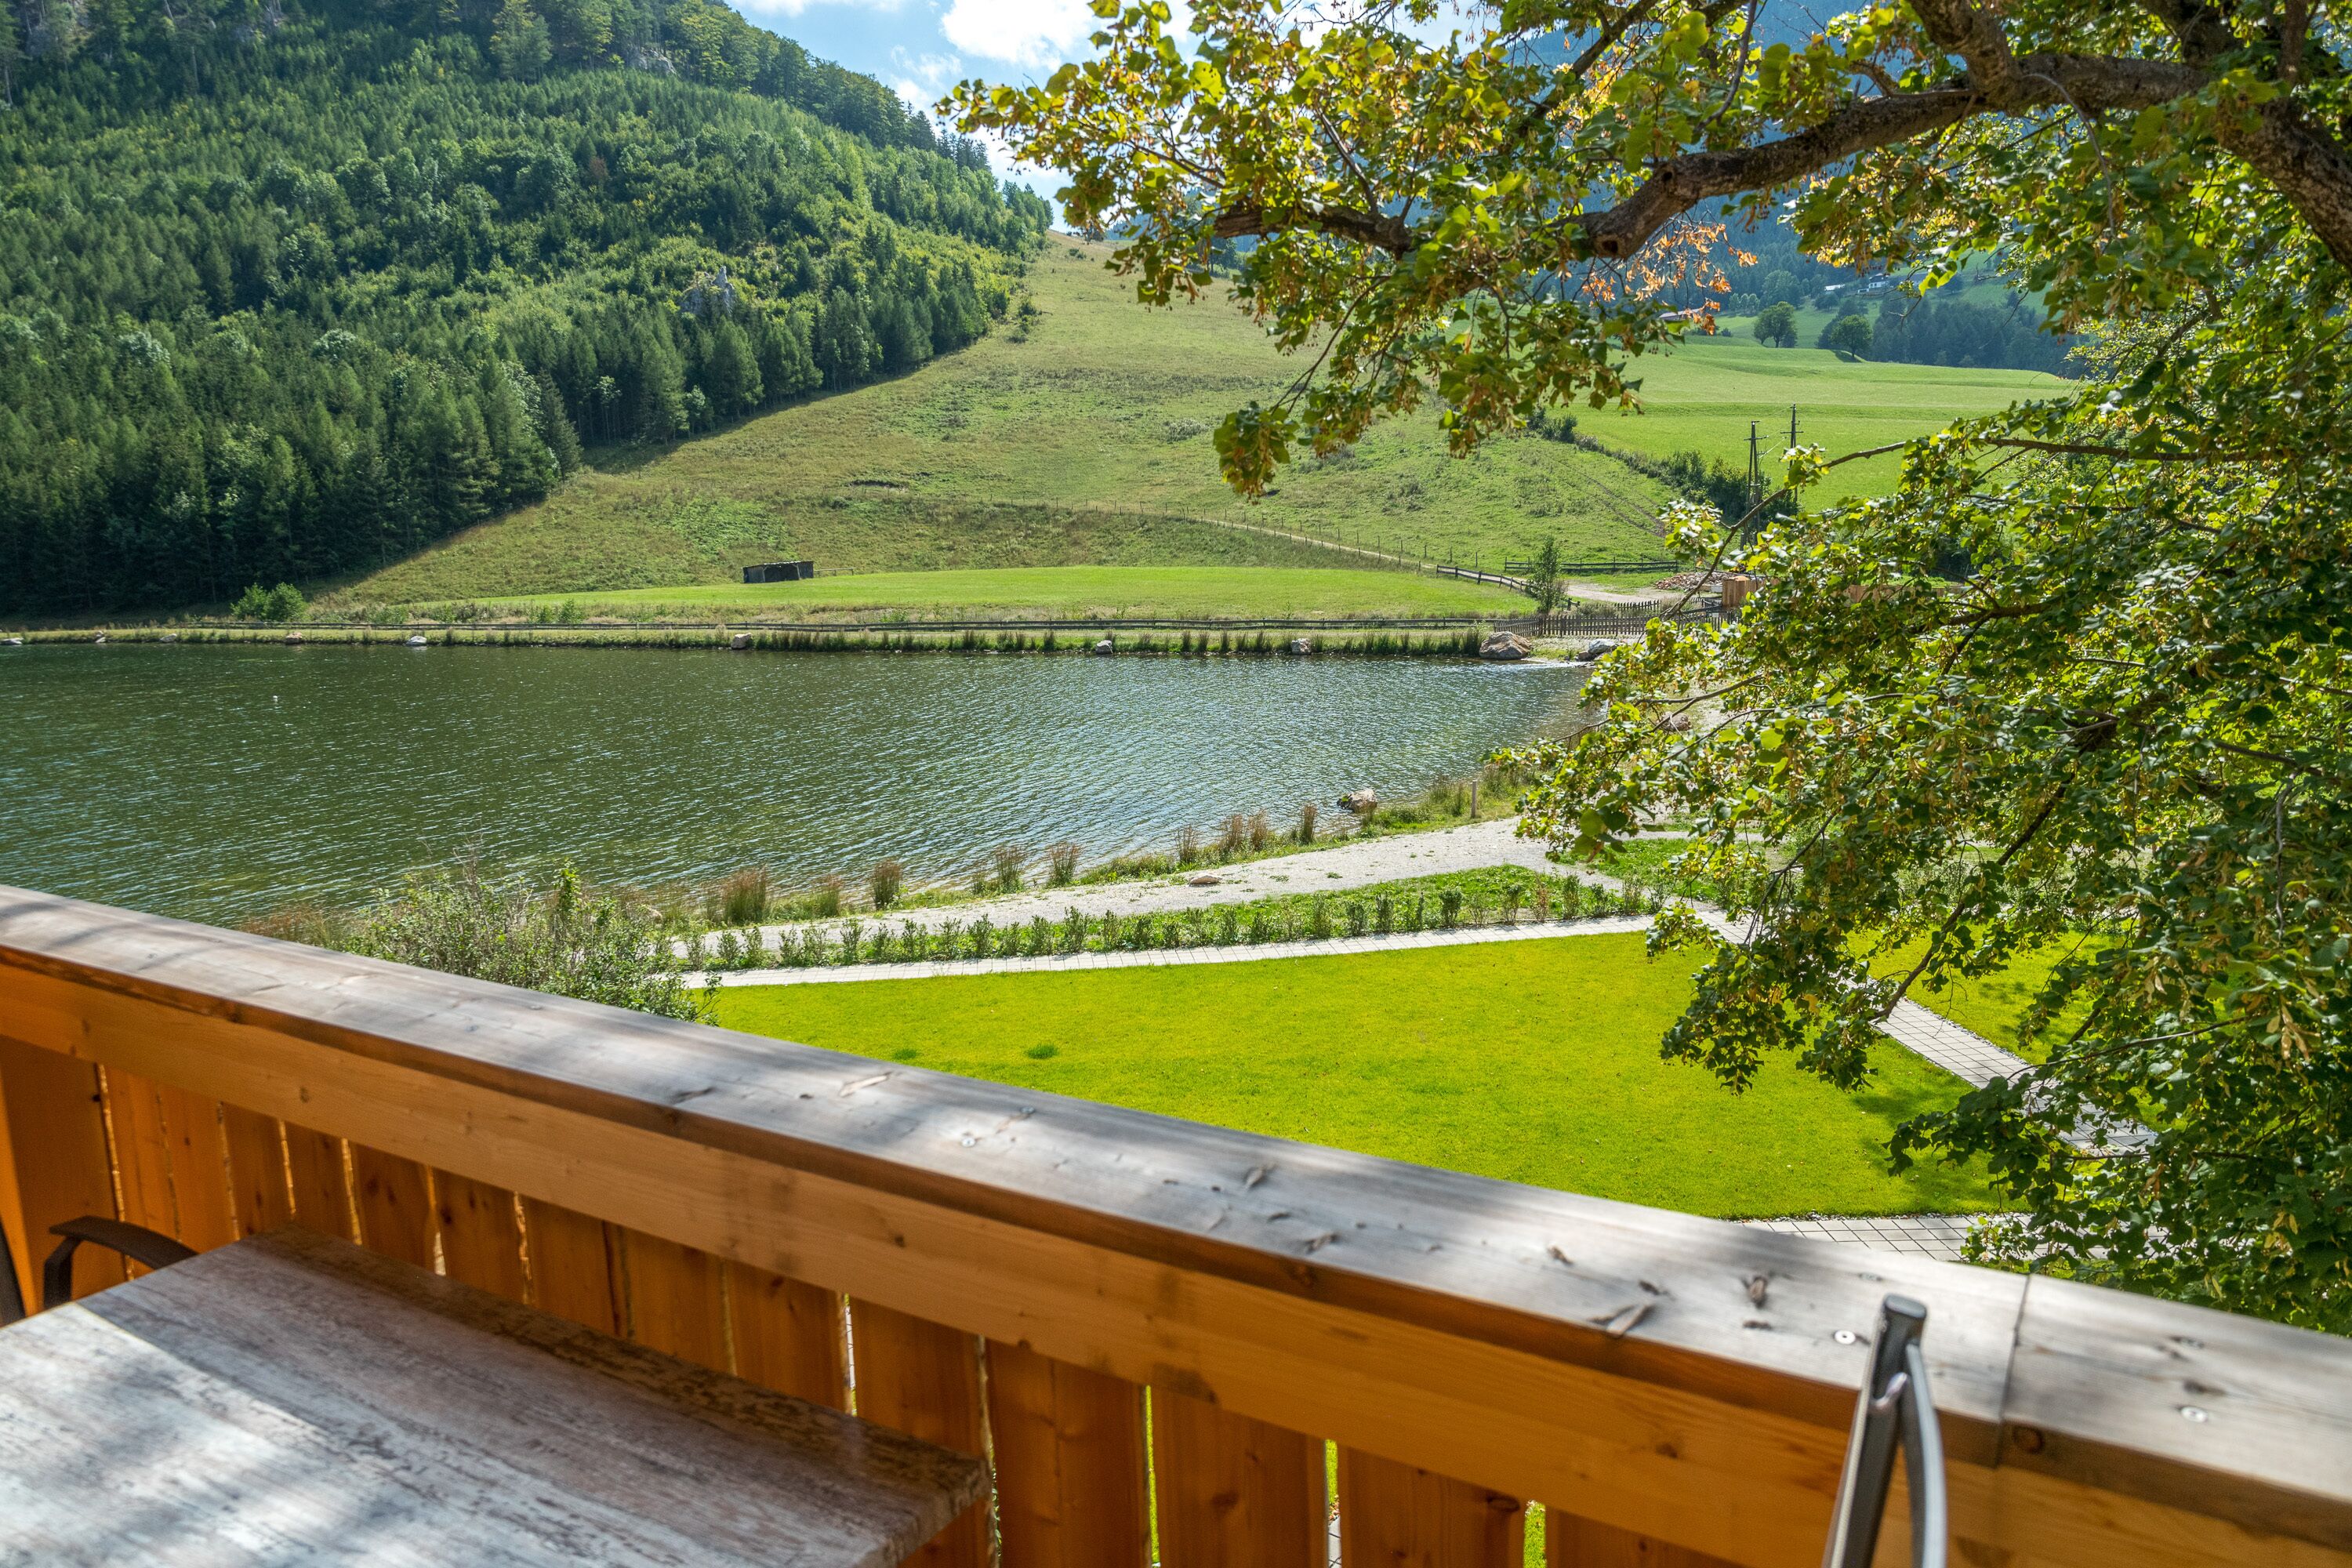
(135, 1242)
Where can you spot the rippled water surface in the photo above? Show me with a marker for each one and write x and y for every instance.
(218, 782)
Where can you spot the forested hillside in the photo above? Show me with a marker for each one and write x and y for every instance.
(285, 294)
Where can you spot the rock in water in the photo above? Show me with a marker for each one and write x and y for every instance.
(739, 641)
(293, 636)
(1302, 645)
(1595, 648)
(416, 640)
(1103, 647)
(1505, 646)
(1363, 802)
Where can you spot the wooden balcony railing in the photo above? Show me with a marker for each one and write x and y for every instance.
(1015, 1271)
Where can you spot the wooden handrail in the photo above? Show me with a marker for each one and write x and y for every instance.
(1683, 1380)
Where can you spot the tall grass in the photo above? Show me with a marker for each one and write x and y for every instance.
(1008, 861)
(742, 898)
(1061, 864)
(885, 881)
(824, 901)
(1236, 837)
(1306, 815)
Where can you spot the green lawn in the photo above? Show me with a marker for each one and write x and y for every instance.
(1062, 592)
(1532, 1061)
(1703, 397)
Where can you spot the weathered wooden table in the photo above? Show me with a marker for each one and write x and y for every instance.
(292, 1399)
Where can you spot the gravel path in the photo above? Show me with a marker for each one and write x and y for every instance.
(1349, 863)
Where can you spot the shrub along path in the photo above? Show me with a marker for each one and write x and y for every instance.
(1348, 864)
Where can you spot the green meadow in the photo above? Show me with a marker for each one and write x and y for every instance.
(1058, 593)
(1531, 1061)
(1703, 397)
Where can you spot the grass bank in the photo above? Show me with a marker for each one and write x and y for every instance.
(1070, 592)
(1533, 1061)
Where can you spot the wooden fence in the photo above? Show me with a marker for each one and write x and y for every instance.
(1150, 1328)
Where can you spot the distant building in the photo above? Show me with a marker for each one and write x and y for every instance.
(780, 572)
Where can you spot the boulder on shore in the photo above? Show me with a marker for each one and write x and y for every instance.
(1206, 879)
(1363, 802)
(1595, 650)
(1302, 645)
(293, 636)
(1103, 647)
(739, 641)
(1505, 646)
(416, 640)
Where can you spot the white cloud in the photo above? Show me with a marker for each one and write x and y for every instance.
(759, 9)
(921, 78)
(1033, 33)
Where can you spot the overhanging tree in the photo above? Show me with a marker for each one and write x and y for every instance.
(2119, 737)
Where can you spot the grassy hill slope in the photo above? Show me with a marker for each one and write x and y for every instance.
(1081, 437)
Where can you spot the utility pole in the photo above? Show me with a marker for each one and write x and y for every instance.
(1755, 469)
(1792, 427)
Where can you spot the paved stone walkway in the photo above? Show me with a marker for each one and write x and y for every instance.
(1961, 1052)
(1940, 1236)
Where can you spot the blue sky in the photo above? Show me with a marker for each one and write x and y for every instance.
(922, 47)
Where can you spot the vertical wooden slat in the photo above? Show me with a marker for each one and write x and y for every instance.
(572, 1273)
(199, 1168)
(54, 1164)
(320, 1186)
(481, 1240)
(1571, 1541)
(1233, 1492)
(259, 1198)
(923, 1378)
(1400, 1516)
(675, 1299)
(135, 1109)
(1069, 1448)
(395, 1205)
(787, 1335)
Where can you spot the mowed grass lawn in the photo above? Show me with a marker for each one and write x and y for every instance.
(1703, 396)
(1531, 1061)
(1062, 592)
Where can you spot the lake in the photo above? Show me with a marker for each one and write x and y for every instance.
(220, 782)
